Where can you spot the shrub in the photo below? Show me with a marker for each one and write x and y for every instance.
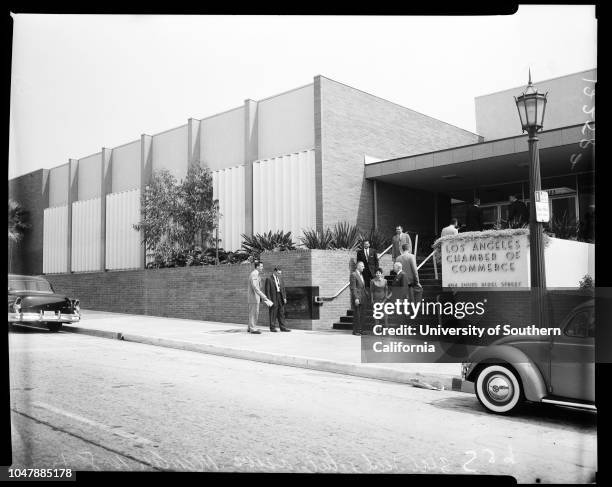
(316, 239)
(586, 282)
(346, 236)
(260, 242)
(378, 240)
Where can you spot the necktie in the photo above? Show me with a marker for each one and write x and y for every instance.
(277, 285)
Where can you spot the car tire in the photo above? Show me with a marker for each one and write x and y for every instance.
(54, 327)
(498, 389)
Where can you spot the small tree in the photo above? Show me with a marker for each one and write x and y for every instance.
(174, 214)
(17, 221)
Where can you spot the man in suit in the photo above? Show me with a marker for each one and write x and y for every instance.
(358, 299)
(518, 214)
(473, 217)
(400, 238)
(275, 289)
(409, 269)
(369, 257)
(254, 296)
(401, 283)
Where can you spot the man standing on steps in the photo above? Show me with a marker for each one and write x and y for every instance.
(369, 257)
(254, 296)
(358, 299)
(473, 217)
(275, 288)
(398, 240)
(451, 229)
(409, 268)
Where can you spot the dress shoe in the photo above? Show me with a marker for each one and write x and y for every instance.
(356, 333)
(274, 330)
(255, 332)
(285, 329)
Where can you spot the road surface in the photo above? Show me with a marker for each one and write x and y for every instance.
(89, 403)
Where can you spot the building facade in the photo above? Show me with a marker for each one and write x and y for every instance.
(309, 158)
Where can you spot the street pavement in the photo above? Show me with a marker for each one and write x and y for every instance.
(89, 403)
(326, 350)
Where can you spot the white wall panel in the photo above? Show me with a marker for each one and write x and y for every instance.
(55, 236)
(229, 189)
(86, 235)
(122, 240)
(284, 193)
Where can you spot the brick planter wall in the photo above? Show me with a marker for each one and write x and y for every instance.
(211, 293)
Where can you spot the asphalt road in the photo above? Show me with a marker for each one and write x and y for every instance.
(89, 403)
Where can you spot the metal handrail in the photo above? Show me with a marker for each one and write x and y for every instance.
(434, 263)
(321, 299)
(425, 260)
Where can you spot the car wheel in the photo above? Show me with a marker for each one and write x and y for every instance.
(54, 326)
(498, 389)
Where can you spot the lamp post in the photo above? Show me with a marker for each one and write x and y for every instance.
(531, 107)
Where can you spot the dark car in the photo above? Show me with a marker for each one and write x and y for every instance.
(32, 301)
(549, 369)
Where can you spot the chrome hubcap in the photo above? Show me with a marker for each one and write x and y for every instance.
(499, 388)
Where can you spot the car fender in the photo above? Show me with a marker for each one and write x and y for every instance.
(533, 383)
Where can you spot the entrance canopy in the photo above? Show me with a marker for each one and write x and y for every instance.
(459, 171)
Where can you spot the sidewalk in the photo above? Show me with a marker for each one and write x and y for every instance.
(329, 351)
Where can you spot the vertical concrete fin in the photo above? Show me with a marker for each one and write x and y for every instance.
(251, 154)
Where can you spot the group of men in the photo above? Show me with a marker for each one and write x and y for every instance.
(405, 276)
(273, 295)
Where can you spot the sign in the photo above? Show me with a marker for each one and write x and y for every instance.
(541, 206)
(491, 262)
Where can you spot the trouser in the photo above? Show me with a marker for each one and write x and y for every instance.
(358, 317)
(277, 312)
(253, 315)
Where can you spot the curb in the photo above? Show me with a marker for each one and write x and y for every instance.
(429, 381)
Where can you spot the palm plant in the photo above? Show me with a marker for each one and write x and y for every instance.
(317, 239)
(346, 236)
(17, 221)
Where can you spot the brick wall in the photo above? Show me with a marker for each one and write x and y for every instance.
(25, 257)
(210, 293)
(354, 123)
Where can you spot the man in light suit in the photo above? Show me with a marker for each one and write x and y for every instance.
(401, 282)
(275, 289)
(358, 299)
(369, 257)
(255, 295)
(398, 240)
(451, 229)
(409, 268)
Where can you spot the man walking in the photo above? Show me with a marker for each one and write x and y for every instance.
(369, 257)
(275, 289)
(255, 295)
(400, 238)
(358, 299)
(473, 218)
(409, 269)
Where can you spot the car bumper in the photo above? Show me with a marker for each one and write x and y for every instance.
(40, 318)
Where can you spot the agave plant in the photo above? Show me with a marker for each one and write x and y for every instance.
(564, 227)
(378, 240)
(317, 239)
(346, 236)
(260, 242)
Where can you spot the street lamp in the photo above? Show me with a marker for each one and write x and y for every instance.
(531, 107)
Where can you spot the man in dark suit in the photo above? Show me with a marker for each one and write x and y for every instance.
(275, 290)
(517, 212)
(369, 257)
(473, 217)
(358, 298)
(402, 283)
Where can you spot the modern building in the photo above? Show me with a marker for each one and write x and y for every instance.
(309, 158)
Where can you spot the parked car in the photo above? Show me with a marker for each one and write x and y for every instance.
(32, 301)
(549, 369)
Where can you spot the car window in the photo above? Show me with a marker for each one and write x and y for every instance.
(29, 285)
(582, 324)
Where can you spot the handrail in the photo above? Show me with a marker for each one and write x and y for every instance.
(425, 260)
(322, 299)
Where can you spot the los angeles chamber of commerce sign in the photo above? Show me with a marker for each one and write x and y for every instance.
(489, 260)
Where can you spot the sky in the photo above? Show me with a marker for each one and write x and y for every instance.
(83, 82)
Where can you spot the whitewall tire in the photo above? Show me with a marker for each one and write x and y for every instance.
(498, 389)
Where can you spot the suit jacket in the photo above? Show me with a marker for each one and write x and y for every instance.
(357, 286)
(409, 268)
(473, 219)
(518, 211)
(401, 281)
(450, 230)
(398, 241)
(254, 292)
(270, 289)
(372, 263)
